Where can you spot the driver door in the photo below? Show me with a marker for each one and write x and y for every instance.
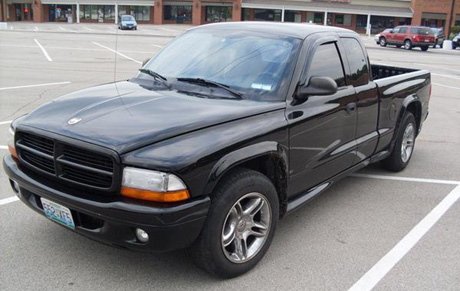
(322, 129)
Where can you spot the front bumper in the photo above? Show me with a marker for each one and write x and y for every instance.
(113, 220)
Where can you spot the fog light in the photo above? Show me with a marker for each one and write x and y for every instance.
(141, 235)
(15, 186)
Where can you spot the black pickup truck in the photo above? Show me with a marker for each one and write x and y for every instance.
(225, 131)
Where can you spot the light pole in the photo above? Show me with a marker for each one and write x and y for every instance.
(452, 19)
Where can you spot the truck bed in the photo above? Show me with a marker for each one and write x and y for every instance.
(381, 71)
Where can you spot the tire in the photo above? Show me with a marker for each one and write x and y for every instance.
(424, 48)
(241, 186)
(407, 45)
(397, 161)
(383, 42)
(398, 46)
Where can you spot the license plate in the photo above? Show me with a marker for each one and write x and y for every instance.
(427, 40)
(58, 213)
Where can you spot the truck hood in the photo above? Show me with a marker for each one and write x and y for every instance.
(125, 116)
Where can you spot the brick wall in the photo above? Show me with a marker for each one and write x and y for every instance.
(434, 6)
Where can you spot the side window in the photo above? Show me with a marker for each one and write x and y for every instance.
(403, 30)
(413, 31)
(396, 30)
(359, 68)
(326, 63)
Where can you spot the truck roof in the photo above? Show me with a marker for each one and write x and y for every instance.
(297, 30)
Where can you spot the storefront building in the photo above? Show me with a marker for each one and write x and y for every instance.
(357, 15)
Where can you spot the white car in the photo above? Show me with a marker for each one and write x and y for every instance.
(377, 36)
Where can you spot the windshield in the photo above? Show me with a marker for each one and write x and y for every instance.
(127, 18)
(259, 66)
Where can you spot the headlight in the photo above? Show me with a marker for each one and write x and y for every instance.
(10, 143)
(153, 186)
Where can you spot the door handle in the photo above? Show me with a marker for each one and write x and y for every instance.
(351, 107)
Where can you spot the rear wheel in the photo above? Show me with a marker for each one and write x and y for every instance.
(240, 225)
(424, 48)
(383, 41)
(408, 45)
(404, 145)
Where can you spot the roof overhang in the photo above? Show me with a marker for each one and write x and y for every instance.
(329, 7)
(101, 2)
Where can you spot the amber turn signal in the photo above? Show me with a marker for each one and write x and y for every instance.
(172, 196)
(13, 152)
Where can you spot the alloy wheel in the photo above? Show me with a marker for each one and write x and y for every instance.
(246, 227)
(407, 145)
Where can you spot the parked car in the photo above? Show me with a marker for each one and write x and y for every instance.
(409, 37)
(208, 148)
(439, 36)
(127, 22)
(456, 41)
(377, 36)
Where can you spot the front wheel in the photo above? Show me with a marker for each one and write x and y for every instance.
(424, 48)
(383, 42)
(408, 45)
(240, 225)
(404, 145)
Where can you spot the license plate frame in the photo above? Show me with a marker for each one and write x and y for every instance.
(58, 213)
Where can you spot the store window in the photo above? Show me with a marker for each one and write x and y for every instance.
(457, 20)
(361, 22)
(342, 19)
(122, 10)
(404, 21)
(315, 17)
(267, 14)
(434, 19)
(380, 23)
(178, 13)
(141, 13)
(292, 16)
(99, 13)
(245, 14)
(218, 13)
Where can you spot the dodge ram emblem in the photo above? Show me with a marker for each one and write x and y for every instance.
(74, 120)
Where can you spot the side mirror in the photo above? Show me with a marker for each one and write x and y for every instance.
(317, 86)
(145, 62)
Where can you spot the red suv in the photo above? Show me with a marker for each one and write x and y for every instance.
(409, 37)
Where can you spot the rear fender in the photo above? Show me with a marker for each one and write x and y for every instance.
(409, 101)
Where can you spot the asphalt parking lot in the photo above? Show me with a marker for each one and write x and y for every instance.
(395, 231)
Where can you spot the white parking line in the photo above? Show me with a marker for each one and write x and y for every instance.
(379, 270)
(5, 122)
(36, 85)
(439, 67)
(451, 87)
(87, 28)
(158, 46)
(446, 76)
(35, 28)
(118, 53)
(2, 147)
(8, 200)
(407, 179)
(43, 50)
(62, 28)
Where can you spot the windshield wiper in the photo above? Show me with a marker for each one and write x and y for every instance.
(204, 82)
(156, 76)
